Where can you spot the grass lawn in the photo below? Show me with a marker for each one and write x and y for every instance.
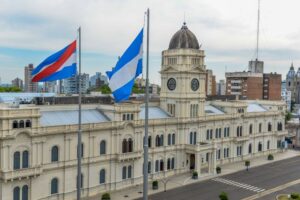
(283, 197)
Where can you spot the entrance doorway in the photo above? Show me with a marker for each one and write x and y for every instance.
(192, 161)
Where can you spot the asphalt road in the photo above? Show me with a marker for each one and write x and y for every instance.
(240, 184)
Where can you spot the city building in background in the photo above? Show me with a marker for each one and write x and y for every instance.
(17, 82)
(71, 85)
(293, 84)
(98, 80)
(221, 87)
(210, 84)
(29, 86)
(254, 84)
(50, 87)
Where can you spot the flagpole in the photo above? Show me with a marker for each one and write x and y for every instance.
(145, 189)
(79, 118)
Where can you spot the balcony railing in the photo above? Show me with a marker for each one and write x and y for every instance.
(129, 155)
(21, 173)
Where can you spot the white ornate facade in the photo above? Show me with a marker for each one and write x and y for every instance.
(38, 144)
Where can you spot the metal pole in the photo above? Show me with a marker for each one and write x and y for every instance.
(145, 191)
(79, 118)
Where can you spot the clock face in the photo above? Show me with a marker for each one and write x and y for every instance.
(195, 84)
(171, 84)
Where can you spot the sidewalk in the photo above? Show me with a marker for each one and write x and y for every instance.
(185, 179)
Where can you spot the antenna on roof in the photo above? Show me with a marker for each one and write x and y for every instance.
(257, 36)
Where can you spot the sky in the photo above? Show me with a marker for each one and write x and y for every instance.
(31, 30)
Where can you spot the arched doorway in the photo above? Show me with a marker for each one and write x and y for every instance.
(192, 161)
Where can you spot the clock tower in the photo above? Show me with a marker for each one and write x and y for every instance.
(183, 76)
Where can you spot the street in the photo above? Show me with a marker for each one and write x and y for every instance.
(241, 184)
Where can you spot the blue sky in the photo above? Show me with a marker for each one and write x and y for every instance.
(31, 31)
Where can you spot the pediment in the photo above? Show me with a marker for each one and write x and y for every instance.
(169, 69)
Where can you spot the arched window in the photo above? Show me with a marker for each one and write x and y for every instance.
(195, 137)
(250, 148)
(191, 137)
(25, 192)
(241, 131)
(259, 146)
(173, 163)
(54, 154)
(268, 144)
(21, 124)
(168, 164)
(161, 142)
(211, 134)
(28, 123)
(156, 165)
(173, 139)
(124, 146)
(54, 186)
(102, 176)
(169, 139)
(207, 134)
(25, 159)
(129, 171)
(279, 126)
(269, 126)
(250, 129)
(16, 195)
(161, 167)
(17, 160)
(157, 141)
(238, 131)
(149, 141)
(124, 171)
(130, 145)
(102, 147)
(260, 128)
(149, 167)
(16, 125)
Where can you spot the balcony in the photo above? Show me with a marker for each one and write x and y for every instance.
(21, 173)
(129, 156)
(241, 139)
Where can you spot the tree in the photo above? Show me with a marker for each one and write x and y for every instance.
(288, 116)
(10, 89)
(223, 196)
(247, 164)
(104, 89)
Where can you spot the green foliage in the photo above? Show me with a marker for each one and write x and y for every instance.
(10, 89)
(155, 183)
(247, 163)
(292, 105)
(295, 196)
(223, 196)
(218, 169)
(195, 173)
(288, 116)
(137, 90)
(105, 196)
(270, 157)
(104, 89)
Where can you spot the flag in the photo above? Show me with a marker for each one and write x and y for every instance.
(128, 67)
(58, 66)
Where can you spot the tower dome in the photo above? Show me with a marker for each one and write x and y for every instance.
(184, 39)
(291, 72)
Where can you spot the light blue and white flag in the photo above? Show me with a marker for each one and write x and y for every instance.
(128, 67)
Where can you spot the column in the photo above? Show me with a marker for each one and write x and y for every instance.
(214, 163)
(198, 162)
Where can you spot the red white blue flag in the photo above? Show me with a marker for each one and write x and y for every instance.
(58, 66)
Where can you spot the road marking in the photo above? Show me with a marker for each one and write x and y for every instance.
(237, 184)
(270, 191)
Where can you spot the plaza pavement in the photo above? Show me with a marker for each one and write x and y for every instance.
(185, 179)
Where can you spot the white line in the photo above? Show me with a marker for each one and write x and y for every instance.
(240, 185)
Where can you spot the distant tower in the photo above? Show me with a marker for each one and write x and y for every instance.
(290, 81)
(29, 86)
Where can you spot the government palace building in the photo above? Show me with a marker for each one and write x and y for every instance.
(38, 156)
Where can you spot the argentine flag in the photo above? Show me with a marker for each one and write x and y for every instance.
(128, 67)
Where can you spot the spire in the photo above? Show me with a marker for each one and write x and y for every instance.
(292, 66)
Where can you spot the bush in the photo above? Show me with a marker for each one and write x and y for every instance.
(218, 169)
(247, 164)
(155, 185)
(295, 196)
(270, 157)
(223, 196)
(195, 175)
(105, 196)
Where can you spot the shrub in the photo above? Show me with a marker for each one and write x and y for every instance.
(218, 169)
(105, 196)
(270, 157)
(223, 196)
(195, 173)
(295, 196)
(155, 185)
